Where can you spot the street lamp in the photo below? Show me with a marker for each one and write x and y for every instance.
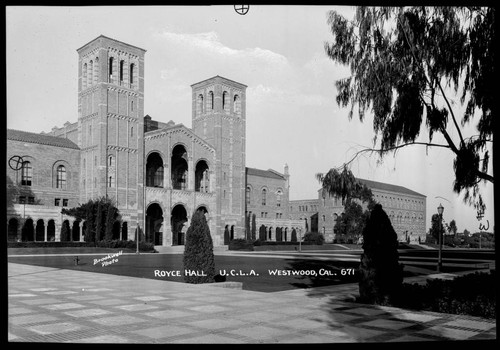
(440, 212)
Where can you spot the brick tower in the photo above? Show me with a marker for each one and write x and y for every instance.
(219, 117)
(111, 125)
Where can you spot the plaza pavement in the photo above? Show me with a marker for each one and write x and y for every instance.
(58, 305)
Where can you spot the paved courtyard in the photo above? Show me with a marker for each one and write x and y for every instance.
(57, 305)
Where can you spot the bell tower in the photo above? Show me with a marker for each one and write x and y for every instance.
(219, 117)
(111, 125)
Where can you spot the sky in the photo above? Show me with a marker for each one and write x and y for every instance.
(277, 51)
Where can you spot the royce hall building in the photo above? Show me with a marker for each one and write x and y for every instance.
(158, 174)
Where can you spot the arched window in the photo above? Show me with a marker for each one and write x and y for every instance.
(111, 161)
(248, 193)
(264, 194)
(278, 198)
(110, 181)
(236, 105)
(199, 105)
(90, 134)
(84, 82)
(110, 71)
(132, 131)
(61, 177)
(95, 72)
(211, 100)
(131, 74)
(26, 174)
(132, 106)
(90, 77)
(121, 71)
(225, 101)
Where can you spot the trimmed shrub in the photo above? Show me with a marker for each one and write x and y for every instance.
(240, 244)
(116, 243)
(380, 274)
(199, 251)
(473, 294)
(314, 238)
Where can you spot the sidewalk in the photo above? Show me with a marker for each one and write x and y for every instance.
(56, 305)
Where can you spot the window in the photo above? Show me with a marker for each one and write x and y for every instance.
(57, 202)
(31, 200)
(323, 218)
(121, 71)
(131, 74)
(65, 202)
(211, 100)
(22, 199)
(110, 73)
(110, 181)
(84, 76)
(132, 106)
(278, 198)
(111, 161)
(225, 100)
(132, 131)
(26, 174)
(61, 177)
(264, 193)
(91, 74)
(248, 195)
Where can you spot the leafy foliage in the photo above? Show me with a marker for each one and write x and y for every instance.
(351, 222)
(99, 215)
(314, 237)
(405, 63)
(199, 251)
(436, 226)
(380, 274)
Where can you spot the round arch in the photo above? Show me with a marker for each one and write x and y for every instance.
(154, 223)
(28, 231)
(154, 169)
(12, 230)
(178, 219)
(40, 230)
(179, 167)
(202, 176)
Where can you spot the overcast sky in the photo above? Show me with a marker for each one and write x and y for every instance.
(277, 51)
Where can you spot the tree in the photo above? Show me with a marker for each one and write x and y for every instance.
(253, 227)
(452, 228)
(436, 226)
(381, 275)
(351, 222)
(407, 65)
(99, 215)
(247, 227)
(199, 263)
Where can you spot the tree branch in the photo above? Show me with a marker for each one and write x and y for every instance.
(394, 148)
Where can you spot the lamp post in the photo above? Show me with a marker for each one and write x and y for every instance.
(440, 212)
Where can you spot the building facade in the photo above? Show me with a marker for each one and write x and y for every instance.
(406, 210)
(158, 174)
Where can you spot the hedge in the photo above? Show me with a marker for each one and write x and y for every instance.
(143, 246)
(472, 294)
(240, 244)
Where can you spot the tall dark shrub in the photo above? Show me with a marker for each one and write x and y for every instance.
(110, 220)
(380, 274)
(65, 232)
(89, 218)
(247, 227)
(254, 237)
(262, 233)
(199, 251)
(294, 236)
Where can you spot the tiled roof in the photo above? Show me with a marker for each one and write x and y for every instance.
(388, 187)
(24, 136)
(264, 173)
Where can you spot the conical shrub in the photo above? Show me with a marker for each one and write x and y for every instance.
(199, 263)
(380, 274)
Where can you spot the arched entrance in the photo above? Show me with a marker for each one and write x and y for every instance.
(154, 170)
(75, 231)
(179, 168)
(28, 232)
(116, 230)
(178, 219)
(12, 234)
(40, 231)
(226, 234)
(154, 224)
(125, 231)
(232, 232)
